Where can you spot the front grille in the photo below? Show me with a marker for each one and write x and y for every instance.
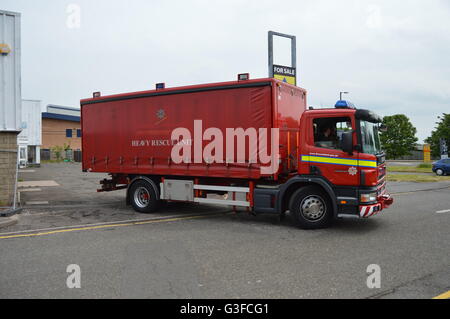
(381, 189)
(381, 159)
(381, 172)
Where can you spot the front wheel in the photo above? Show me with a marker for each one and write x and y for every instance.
(439, 172)
(143, 197)
(311, 208)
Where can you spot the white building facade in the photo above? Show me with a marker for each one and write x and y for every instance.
(30, 139)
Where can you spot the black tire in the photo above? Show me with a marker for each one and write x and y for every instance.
(439, 172)
(320, 212)
(143, 197)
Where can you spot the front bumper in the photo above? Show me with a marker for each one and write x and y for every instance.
(383, 201)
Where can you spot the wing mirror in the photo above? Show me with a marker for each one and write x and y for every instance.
(347, 142)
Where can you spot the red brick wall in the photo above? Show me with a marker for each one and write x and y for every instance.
(54, 134)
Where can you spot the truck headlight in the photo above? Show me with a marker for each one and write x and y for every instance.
(368, 197)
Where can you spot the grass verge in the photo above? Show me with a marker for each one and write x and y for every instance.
(422, 168)
(417, 178)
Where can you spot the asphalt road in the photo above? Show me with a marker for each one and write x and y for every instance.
(219, 254)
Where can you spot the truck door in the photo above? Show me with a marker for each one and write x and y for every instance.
(323, 151)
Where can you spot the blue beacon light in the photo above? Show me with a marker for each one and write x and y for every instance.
(342, 104)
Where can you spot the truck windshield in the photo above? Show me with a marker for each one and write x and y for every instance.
(370, 138)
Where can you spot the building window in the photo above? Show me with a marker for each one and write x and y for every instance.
(69, 133)
(78, 132)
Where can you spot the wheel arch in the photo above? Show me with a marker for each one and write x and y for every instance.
(152, 180)
(295, 183)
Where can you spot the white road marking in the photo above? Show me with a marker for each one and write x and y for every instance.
(37, 203)
(27, 171)
(443, 211)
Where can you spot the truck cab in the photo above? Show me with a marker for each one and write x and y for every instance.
(341, 167)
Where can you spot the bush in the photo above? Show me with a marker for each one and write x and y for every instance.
(424, 165)
(57, 150)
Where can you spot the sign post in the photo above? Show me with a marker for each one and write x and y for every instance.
(443, 147)
(283, 73)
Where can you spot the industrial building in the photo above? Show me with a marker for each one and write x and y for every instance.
(61, 127)
(10, 106)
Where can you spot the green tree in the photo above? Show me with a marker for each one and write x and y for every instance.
(400, 138)
(442, 130)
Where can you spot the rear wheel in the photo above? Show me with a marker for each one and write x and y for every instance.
(439, 172)
(143, 197)
(311, 208)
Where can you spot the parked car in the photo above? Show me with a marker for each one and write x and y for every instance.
(442, 167)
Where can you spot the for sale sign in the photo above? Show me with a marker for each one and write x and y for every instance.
(285, 73)
(426, 153)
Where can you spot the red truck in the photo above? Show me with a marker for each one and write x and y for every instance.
(245, 143)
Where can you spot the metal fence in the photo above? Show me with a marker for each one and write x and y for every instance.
(45, 155)
(68, 155)
(77, 156)
(416, 155)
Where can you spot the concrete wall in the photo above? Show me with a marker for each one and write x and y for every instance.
(54, 134)
(8, 163)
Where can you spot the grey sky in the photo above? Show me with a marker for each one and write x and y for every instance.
(393, 56)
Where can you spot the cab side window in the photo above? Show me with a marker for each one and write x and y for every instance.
(328, 131)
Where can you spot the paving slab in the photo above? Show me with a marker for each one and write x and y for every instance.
(37, 184)
(8, 221)
(37, 203)
(21, 190)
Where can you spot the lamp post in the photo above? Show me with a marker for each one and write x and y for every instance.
(340, 95)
